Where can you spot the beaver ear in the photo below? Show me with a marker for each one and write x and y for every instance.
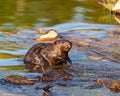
(56, 42)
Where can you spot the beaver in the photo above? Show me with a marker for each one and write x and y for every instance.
(45, 54)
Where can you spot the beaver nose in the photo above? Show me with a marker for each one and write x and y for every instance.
(68, 47)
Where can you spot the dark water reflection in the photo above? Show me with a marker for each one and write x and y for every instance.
(42, 13)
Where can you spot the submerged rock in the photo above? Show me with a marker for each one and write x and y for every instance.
(18, 80)
(96, 57)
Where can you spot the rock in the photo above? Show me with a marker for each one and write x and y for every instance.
(80, 44)
(50, 36)
(7, 33)
(96, 57)
(41, 32)
(67, 77)
(18, 80)
(45, 78)
(115, 86)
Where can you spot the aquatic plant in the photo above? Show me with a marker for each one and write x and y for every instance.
(108, 3)
(113, 7)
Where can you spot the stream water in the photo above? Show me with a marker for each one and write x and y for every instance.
(91, 29)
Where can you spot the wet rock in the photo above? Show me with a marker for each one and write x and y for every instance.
(45, 79)
(7, 33)
(96, 57)
(67, 77)
(105, 83)
(49, 36)
(83, 44)
(41, 32)
(18, 80)
(115, 86)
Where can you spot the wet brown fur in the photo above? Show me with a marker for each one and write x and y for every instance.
(44, 54)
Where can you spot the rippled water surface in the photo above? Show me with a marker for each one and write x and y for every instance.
(83, 22)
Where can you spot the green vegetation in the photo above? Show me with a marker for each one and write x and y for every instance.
(108, 3)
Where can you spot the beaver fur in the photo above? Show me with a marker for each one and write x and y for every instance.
(44, 54)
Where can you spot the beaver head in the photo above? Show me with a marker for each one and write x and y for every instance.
(63, 45)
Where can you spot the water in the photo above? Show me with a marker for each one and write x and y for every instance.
(40, 13)
(75, 20)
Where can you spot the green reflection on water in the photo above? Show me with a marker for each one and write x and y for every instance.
(14, 13)
(19, 67)
(8, 56)
(29, 12)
